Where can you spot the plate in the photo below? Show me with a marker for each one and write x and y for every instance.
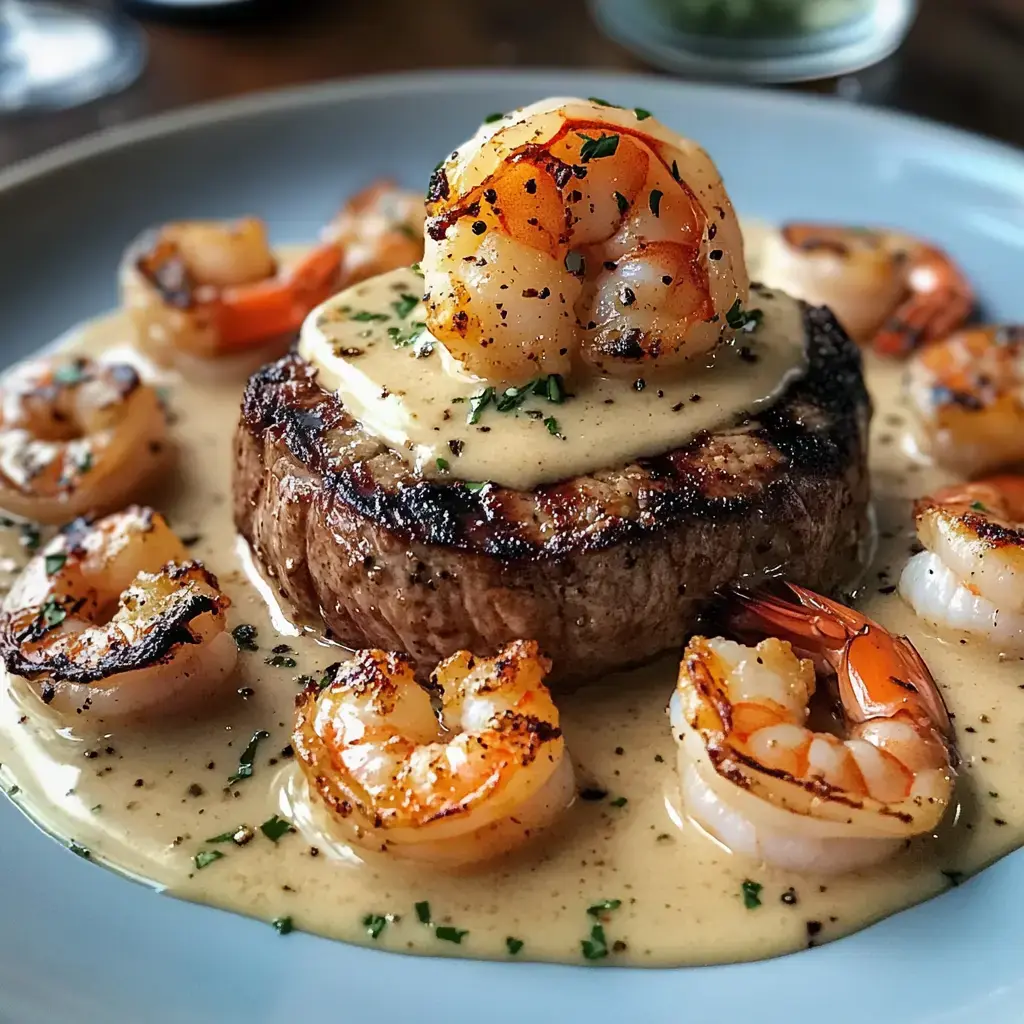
(83, 944)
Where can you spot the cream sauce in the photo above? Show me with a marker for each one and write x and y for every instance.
(412, 395)
(147, 799)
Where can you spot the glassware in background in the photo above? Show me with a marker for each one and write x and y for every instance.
(54, 56)
(758, 40)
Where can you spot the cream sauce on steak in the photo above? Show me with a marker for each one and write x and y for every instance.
(370, 345)
(153, 800)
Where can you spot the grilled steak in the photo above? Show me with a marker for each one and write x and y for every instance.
(605, 570)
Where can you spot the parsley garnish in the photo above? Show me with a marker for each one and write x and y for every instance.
(449, 934)
(978, 506)
(622, 201)
(79, 850)
(405, 305)
(740, 319)
(283, 925)
(655, 201)
(55, 562)
(594, 149)
(751, 894)
(603, 907)
(281, 661)
(600, 102)
(274, 827)
(641, 114)
(514, 945)
(416, 269)
(248, 756)
(475, 485)
(443, 465)
(423, 912)
(51, 614)
(364, 316)
(374, 924)
(477, 404)
(552, 424)
(619, 801)
(224, 837)
(491, 118)
(596, 946)
(245, 637)
(204, 858)
(410, 335)
(72, 373)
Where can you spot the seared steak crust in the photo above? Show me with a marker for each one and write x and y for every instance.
(604, 570)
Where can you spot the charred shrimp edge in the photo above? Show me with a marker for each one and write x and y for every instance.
(170, 632)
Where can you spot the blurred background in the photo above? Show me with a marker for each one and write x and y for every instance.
(71, 68)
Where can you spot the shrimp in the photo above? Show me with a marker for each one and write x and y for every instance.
(210, 289)
(970, 577)
(483, 775)
(76, 436)
(757, 778)
(112, 619)
(574, 230)
(967, 396)
(379, 229)
(886, 288)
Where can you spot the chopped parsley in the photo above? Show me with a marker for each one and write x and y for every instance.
(283, 925)
(374, 924)
(274, 828)
(282, 661)
(552, 424)
(416, 269)
(622, 201)
(423, 912)
(596, 946)
(603, 907)
(79, 850)
(414, 334)
(475, 485)
(225, 837)
(655, 201)
(245, 762)
(740, 319)
(491, 118)
(642, 114)
(978, 506)
(594, 149)
(477, 404)
(443, 465)
(204, 858)
(55, 562)
(751, 894)
(245, 637)
(364, 316)
(450, 934)
(405, 304)
(51, 614)
(71, 373)
(600, 102)
(514, 945)
(619, 801)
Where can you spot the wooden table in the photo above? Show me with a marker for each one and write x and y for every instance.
(963, 62)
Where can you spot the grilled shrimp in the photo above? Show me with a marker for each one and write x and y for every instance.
(209, 289)
(76, 437)
(886, 288)
(479, 778)
(767, 786)
(967, 395)
(111, 618)
(379, 229)
(573, 230)
(970, 577)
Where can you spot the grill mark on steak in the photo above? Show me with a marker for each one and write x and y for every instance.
(815, 430)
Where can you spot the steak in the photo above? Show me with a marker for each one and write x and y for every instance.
(604, 570)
